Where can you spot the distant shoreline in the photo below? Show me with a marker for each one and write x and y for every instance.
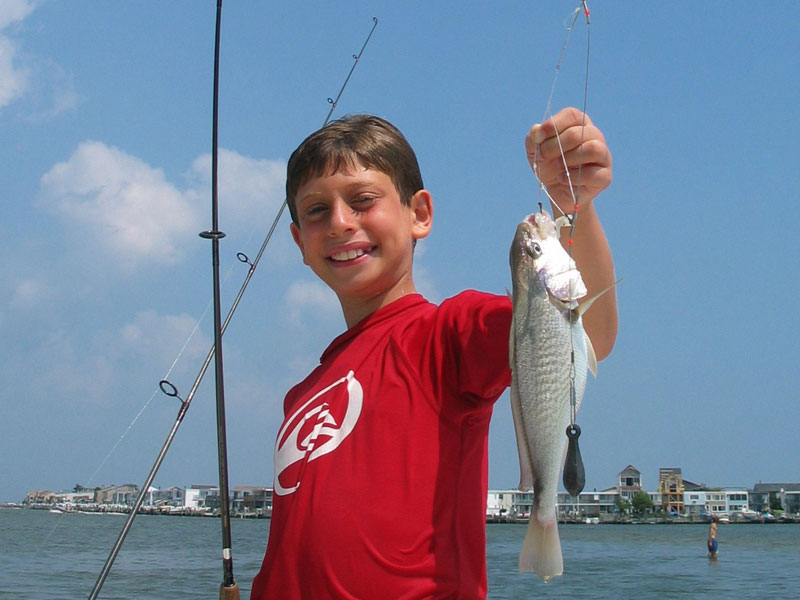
(104, 509)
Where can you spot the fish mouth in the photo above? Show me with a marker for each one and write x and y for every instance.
(561, 304)
(566, 286)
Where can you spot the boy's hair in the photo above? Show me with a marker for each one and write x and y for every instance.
(365, 140)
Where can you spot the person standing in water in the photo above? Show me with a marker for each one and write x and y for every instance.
(712, 537)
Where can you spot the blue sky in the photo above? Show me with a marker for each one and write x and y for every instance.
(105, 113)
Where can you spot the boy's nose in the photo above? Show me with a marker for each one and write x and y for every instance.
(342, 218)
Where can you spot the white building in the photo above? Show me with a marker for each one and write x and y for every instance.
(191, 498)
(694, 502)
(736, 500)
(508, 504)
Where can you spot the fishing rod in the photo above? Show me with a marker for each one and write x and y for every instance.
(228, 589)
(165, 385)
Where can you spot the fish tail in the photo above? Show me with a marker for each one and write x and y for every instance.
(541, 550)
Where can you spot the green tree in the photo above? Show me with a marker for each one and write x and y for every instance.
(623, 506)
(641, 502)
(775, 503)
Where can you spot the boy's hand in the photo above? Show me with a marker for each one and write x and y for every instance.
(581, 142)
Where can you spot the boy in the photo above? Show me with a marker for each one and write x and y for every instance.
(381, 461)
(712, 538)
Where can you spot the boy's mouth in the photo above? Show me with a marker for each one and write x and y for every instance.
(345, 255)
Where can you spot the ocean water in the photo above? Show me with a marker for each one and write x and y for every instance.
(47, 555)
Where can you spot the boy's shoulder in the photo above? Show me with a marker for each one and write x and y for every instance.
(436, 343)
(413, 317)
(412, 321)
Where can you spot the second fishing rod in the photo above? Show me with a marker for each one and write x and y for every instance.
(228, 589)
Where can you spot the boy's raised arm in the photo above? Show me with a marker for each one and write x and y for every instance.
(582, 143)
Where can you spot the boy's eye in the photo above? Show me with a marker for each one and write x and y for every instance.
(362, 202)
(314, 211)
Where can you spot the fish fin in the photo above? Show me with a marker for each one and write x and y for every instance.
(541, 550)
(582, 308)
(591, 357)
(525, 469)
(511, 345)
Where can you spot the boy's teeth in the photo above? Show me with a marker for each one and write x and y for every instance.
(347, 254)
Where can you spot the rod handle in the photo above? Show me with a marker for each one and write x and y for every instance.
(229, 592)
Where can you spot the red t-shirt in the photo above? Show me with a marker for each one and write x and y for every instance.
(381, 461)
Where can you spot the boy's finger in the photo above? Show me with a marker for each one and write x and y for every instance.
(561, 121)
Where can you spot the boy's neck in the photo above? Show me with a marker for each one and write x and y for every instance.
(356, 311)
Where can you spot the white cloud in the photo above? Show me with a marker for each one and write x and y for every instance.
(108, 364)
(14, 79)
(52, 91)
(305, 299)
(29, 293)
(424, 282)
(12, 11)
(160, 339)
(125, 205)
(249, 190)
(47, 88)
(125, 209)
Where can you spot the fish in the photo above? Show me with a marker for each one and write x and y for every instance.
(546, 330)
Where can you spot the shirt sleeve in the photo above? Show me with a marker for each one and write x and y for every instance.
(476, 327)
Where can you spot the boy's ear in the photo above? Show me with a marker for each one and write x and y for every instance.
(421, 205)
(298, 240)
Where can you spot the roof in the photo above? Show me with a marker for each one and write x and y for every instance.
(630, 468)
(776, 487)
(665, 471)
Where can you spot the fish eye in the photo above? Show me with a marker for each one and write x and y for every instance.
(533, 249)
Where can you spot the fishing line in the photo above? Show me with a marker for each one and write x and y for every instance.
(574, 477)
(243, 257)
(548, 113)
(166, 375)
(170, 390)
(127, 430)
(574, 474)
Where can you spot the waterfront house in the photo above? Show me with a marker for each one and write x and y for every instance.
(205, 496)
(766, 495)
(695, 502)
(629, 481)
(671, 488)
(498, 504)
(588, 504)
(736, 500)
(39, 497)
(191, 498)
(72, 498)
(715, 502)
(508, 505)
(252, 499)
(791, 499)
(121, 495)
(172, 496)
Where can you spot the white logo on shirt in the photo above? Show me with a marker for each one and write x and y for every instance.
(311, 431)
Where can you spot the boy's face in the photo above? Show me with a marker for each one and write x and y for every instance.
(357, 236)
